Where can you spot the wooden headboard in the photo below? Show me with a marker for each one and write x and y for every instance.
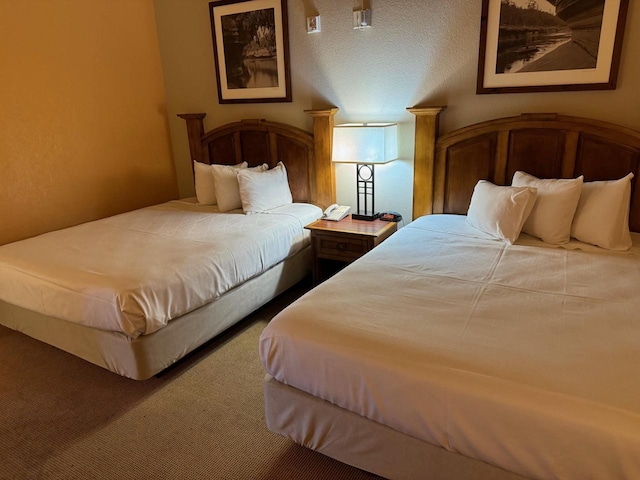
(306, 156)
(544, 145)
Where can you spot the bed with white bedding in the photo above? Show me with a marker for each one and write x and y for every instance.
(463, 341)
(449, 353)
(137, 291)
(139, 270)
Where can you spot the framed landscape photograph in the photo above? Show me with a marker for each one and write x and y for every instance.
(550, 45)
(251, 50)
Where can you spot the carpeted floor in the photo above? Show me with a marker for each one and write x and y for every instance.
(64, 418)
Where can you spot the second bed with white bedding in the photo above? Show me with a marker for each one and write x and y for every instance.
(465, 342)
(135, 272)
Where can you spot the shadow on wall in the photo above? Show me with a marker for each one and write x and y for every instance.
(453, 69)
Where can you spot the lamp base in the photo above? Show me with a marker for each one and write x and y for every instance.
(364, 216)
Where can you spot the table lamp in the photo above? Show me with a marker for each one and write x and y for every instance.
(365, 144)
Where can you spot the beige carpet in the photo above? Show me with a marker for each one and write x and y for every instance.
(64, 418)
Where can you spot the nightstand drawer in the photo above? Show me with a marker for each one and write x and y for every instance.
(337, 244)
(330, 246)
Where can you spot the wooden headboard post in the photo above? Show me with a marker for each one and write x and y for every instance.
(427, 124)
(324, 178)
(195, 131)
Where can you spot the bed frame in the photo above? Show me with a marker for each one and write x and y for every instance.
(446, 169)
(307, 158)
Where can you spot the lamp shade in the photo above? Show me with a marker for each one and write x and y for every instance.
(365, 142)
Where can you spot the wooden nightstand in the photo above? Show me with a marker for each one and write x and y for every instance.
(336, 244)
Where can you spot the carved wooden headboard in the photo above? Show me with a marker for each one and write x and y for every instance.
(306, 156)
(544, 145)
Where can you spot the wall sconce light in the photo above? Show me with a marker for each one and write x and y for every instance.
(365, 144)
(313, 24)
(362, 19)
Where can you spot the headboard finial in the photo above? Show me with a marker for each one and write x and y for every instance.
(427, 110)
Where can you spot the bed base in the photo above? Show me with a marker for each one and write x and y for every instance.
(350, 438)
(148, 355)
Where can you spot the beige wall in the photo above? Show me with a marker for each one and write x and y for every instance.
(417, 52)
(83, 128)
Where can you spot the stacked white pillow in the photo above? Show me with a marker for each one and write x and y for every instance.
(261, 191)
(555, 210)
(552, 214)
(602, 216)
(500, 211)
(225, 179)
(204, 183)
(231, 187)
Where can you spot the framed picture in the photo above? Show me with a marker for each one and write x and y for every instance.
(550, 45)
(251, 50)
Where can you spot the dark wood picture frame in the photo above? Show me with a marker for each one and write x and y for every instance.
(588, 60)
(251, 50)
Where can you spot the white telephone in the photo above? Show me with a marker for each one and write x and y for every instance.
(336, 212)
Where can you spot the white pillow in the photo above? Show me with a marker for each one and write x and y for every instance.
(226, 184)
(204, 183)
(556, 203)
(500, 211)
(261, 191)
(602, 216)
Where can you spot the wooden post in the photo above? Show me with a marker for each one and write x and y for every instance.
(195, 131)
(427, 122)
(323, 175)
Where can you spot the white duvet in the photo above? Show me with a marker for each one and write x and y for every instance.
(134, 272)
(523, 356)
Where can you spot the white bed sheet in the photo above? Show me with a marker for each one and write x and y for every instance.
(521, 356)
(132, 273)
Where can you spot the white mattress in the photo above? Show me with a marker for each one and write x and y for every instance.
(134, 272)
(522, 356)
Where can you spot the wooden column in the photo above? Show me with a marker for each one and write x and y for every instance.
(323, 176)
(427, 121)
(195, 131)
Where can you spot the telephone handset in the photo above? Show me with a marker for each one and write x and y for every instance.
(336, 212)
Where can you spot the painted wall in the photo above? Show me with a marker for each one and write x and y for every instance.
(417, 52)
(83, 126)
